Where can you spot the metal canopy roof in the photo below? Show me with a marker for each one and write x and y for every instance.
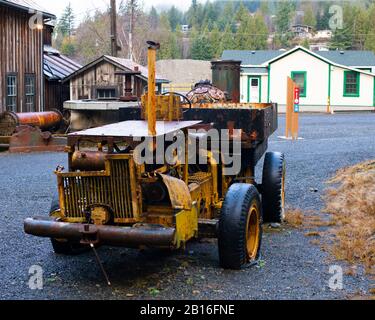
(135, 129)
(57, 66)
(27, 5)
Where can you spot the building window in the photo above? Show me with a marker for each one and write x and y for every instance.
(299, 77)
(30, 92)
(109, 93)
(351, 84)
(11, 83)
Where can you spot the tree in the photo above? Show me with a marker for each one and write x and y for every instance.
(68, 47)
(322, 21)
(227, 41)
(261, 31)
(370, 35)
(341, 40)
(215, 40)
(200, 47)
(66, 23)
(309, 17)
(174, 17)
(153, 18)
(306, 44)
(243, 38)
(284, 14)
(227, 15)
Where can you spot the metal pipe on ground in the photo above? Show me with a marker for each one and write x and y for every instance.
(45, 121)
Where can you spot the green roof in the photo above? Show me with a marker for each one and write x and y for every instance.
(253, 58)
(350, 58)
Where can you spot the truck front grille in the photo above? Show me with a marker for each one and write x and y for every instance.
(114, 190)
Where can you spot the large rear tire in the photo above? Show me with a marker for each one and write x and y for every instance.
(240, 227)
(273, 187)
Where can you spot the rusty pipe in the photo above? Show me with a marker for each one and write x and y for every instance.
(43, 120)
(151, 99)
(142, 235)
(88, 161)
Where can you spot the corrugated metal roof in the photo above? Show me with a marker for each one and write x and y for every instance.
(57, 66)
(27, 5)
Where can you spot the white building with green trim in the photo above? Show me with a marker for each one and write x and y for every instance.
(343, 80)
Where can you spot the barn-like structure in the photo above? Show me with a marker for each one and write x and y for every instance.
(31, 71)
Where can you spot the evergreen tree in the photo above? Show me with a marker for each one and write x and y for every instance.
(309, 17)
(342, 39)
(174, 17)
(66, 23)
(261, 31)
(201, 48)
(322, 21)
(370, 34)
(153, 18)
(243, 37)
(227, 41)
(284, 14)
(227, 15)
(215, 41)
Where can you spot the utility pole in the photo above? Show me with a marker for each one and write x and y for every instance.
(131, 29)
(114, 43)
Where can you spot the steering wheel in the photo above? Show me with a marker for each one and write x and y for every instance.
(181, 95)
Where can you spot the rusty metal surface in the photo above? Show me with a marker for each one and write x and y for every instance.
(206, 93)
(226, 76)
(179, 192)
(135, 129)
(138, 235)
(114, 188)
(88, 161)
(31, 139)
(9, 121)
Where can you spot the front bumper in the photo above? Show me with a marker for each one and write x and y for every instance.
(132, 237)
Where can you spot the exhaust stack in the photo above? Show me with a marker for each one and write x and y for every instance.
(151, 100)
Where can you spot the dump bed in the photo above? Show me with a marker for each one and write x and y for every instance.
(257, 121)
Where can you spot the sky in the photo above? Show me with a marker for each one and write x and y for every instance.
(80, 7)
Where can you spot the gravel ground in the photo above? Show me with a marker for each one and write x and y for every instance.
(291, 267)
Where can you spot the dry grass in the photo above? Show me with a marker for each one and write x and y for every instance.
(294, 218)
(351, 203)
(347, 229)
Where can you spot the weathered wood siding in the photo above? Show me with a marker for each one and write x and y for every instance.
(101, 75)
(20, 53)
(55, 94)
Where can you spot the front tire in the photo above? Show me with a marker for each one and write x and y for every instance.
(62, 246)
(273, 187)
(240, 227)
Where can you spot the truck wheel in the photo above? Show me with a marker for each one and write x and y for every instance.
(273, 187)
(60, 246)
(240, 227)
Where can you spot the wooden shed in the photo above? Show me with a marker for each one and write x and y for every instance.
(21, 55)
(100, 79)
